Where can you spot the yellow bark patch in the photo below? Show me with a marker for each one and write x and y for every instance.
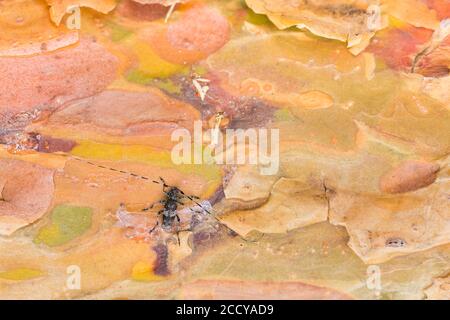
(143, 271)
(414, 12)
(21, 274)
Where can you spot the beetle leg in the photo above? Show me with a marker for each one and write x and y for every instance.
(157, 223)
(153, 204)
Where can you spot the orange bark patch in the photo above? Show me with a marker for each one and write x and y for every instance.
(414, 12)
(26, 29)
(409, 176)
(59, 8)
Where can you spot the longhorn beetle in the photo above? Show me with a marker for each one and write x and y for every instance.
(173, 197)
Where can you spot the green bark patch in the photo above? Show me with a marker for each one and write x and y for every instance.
(67, 223)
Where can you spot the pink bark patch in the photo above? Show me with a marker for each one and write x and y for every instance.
(199, 29)
(409, 176)
(51, 79)
(437, 62)
(442, 8)
(258, 290)
(26, 192)
(397, 47)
